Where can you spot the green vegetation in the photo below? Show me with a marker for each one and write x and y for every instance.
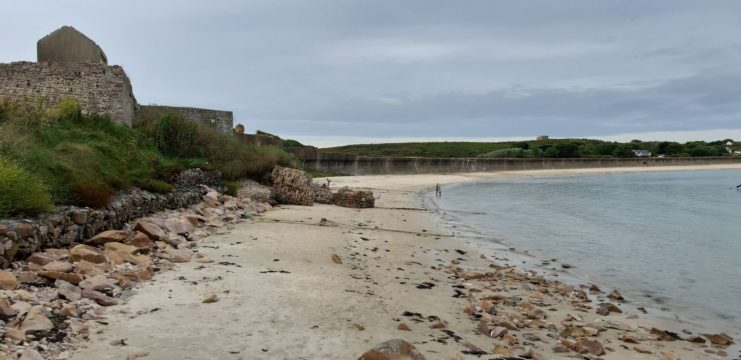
(320, 174)
(61, 156)
(552, 148)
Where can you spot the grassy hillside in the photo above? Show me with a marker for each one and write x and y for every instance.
(553, 148)
(59, 156)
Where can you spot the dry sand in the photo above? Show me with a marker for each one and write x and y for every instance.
(281, 295)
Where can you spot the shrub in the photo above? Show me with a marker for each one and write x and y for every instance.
(175, 136)
(232, 187)
(92, 194)
(21, 192)
(507, 153)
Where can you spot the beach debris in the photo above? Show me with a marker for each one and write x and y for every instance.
(336, 259)
(211, 298)
(395, 349)
(566, 266)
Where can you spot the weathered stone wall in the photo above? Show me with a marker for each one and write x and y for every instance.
(359, 165)
(259, 140)
(66, 44)
(100, 88)
(221, 120)
(19, 238)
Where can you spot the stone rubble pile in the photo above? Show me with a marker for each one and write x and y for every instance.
(322, 194)
(57, 294)
(353, 198)
(252, 190)
(520, 325)
(19, 238)
(292, 186)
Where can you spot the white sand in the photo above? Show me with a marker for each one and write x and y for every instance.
(310, 312)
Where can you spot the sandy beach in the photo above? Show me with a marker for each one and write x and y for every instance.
(283, 294)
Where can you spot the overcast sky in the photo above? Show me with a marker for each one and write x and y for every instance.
(332, 72)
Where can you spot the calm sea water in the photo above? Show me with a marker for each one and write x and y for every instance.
(666, 239)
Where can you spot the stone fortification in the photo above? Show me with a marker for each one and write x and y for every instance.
(101, 89)
(19, 238)
(66, 44)
(259, 140)
(221, 120)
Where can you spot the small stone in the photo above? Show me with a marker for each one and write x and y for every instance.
(98, 282)
(607, 308)
(594, 347)
(40, 259)
(615, 295)
(36, 320)
(503, 350)
(59, 266)
(395, 349)
(68, 310)
(669, 356)
(29, 277)
(67, 290)
(78, 327)
(498, 332)
(56, 275)
(8, 281)
(98, 297)
(438, 325)
(212, 298)
(137, 355)
(31, 354)
(336, 259)
(719, 339)
(179, 255)
(87, 253)
(141, 241)
(6, 310)
(150, 229)
(630, 339)
(642, 350)
(108, 236)
(696, 339)
(404, 327)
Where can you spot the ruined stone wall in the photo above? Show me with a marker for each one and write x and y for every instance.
(259, 140)
(221, 120)
(100, 88)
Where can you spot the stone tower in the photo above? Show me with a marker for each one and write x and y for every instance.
(66, 44)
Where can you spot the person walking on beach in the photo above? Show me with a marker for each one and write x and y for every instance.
(438, 192)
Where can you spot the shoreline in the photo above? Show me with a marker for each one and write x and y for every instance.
(283, 297)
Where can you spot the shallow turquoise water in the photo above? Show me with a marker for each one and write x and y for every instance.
(669, 239)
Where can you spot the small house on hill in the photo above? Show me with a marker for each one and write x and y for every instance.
(67, 44)
(642, 153)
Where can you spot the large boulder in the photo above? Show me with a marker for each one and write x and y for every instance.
(395, 349)
(292, 186)
(8, 281)
(354, 199)
(322, 194)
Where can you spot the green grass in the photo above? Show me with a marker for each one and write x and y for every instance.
(85, 160)
(21, 192)
(320, 174)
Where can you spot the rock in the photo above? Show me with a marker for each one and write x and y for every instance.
(669, 356)
(87, 253)
(354, 199)
(404, 327)
(68, 310)
(29, 277)
(150, 229)
(664, 335)
(179, 226)
(503, 350)
(212, 298)
(719, 339)
(498, 332)
(322, 194)
(59, 266)
(6, 310)
(15, 334)
(31, 354)
(36, 320)
(108, 236)
(67, 290)
(78, 327)
(98, 282)
(396, 349)
(607, 308)
(631, 339)
(527, 353)
(360, 327)
(179, 255)
(40, 258)
(696, 339)
(438, 325)
(98, 297)
(137, 355)
(594, 347)
(336, 259)
(642, 350)
(119, 253)
(292, 186)
(141, 241)
(8, 281)
(615, 295)
(57, 275)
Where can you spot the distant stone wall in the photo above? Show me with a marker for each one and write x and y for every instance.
(359, 165)
(100, 88)
(259, 140)
(221, 120)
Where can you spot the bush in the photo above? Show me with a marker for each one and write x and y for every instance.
(175, 136)
(232, 187)
(507, 153)
(21, 192)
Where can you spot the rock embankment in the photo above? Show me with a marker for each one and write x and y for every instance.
(19, 238)
(56, 294)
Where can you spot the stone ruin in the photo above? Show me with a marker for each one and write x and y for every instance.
(71, 65)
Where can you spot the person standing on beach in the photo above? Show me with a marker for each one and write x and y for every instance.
(438, 192)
